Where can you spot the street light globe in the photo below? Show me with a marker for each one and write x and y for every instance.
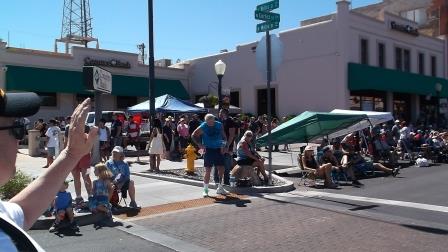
(438, 87)
(220, 68)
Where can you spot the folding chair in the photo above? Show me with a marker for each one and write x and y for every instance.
(308, 178)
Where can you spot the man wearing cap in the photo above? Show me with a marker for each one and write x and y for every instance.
(396, 131)
(214, 143)
(52, 133)
(23, 209)
(121, 175)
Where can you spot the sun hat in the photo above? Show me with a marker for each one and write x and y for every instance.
(18, 104)
(118, 149)
(309, 148)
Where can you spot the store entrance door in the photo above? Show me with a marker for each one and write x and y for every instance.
(402, 107)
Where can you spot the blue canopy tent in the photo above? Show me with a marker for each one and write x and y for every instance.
(168, 104)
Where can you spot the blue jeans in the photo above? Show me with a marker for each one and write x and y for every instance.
(227, 166)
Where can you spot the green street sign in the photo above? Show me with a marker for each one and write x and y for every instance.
(267, 26)
(272, 5)
(267, 16)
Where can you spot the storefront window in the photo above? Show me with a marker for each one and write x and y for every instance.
(367, 103)
(379, 104)
(355, 102)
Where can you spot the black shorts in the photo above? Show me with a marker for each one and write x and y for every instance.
(124, 188)
(167, 145)
(246, 161)
(213, 157)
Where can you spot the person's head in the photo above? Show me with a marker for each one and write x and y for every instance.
(52, 122)
(13, 106)
(327, 151)
(196, 117)
(40, 120)
(397, 122)
(131, 119)
(403, 124)
(167, 121)
(210, 119)
(102, 172)
(64, 186)
(118, 153)
(114, 117)
(309, 151)
(224, 113)
(275, 120)
(68, 119)
(102, 123)
(252, 119)
(248, 135)
(182, 121)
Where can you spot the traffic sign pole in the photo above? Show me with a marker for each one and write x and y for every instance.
(268, 84)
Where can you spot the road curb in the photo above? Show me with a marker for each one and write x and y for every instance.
(83, 219)
(287, 187)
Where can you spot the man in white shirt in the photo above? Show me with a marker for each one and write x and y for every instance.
(23, 209)
(52, 133)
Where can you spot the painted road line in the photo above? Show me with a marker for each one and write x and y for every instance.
(156, 237)
(314, 194)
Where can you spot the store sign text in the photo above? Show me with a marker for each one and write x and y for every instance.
(107, 63)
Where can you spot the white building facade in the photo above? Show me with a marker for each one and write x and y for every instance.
(351, 61)
(58, 79)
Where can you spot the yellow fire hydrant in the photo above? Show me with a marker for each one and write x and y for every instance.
(190, 156)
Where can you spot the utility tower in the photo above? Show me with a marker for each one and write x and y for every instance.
(76, 25)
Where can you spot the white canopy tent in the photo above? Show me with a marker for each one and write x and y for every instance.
(232, 109)
(374, 118)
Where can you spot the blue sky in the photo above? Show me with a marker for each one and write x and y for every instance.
(184, 29)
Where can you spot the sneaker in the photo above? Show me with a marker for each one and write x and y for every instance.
(356, 183)
(74, 226)
(133, 204)
(205, 193)
(79, 201)
(395, 172)
(54, 227)
(221, 190)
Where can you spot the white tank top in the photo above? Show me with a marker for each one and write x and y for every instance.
(103, 135)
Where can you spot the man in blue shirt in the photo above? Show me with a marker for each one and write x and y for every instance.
(215, 145)
(122, 175)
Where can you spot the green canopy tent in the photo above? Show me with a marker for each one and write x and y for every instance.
(308, 126)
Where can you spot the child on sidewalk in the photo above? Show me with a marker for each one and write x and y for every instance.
(102, 190)
(63, 207)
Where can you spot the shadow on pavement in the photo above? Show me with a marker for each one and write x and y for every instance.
(427, 229)
(230, 200)
(65, 232)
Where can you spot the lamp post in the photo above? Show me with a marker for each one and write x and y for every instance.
(438, 87)
(220, 69)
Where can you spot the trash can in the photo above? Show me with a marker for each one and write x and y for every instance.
(33, 143)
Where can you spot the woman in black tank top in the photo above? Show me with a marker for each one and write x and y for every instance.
(323, 171)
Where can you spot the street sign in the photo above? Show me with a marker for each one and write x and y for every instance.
(272, 5)
(96, 78)
(267, 16)
(267, 26)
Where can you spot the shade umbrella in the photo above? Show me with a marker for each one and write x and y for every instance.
(308, 126)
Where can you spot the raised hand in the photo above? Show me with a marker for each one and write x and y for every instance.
(80, 143)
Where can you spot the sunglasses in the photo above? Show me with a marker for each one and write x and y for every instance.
(17, 129)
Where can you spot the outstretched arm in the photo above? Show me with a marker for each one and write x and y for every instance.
(35, 198)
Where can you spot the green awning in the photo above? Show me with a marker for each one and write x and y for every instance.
(19, 78)
(310, 125)
(363, 77)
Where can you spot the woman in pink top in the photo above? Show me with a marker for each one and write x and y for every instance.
(184, 135)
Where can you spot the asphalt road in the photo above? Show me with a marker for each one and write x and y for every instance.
(426, 186)
(407, 213)
(91, 238)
